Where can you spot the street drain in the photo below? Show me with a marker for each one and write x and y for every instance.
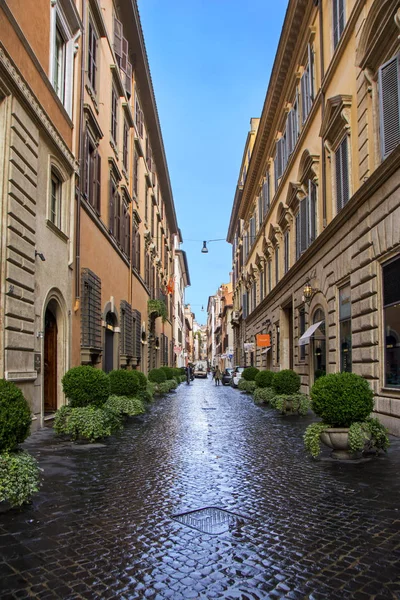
(209, 408)
(211, 519)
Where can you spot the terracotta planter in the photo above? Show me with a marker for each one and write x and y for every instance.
(337, 438)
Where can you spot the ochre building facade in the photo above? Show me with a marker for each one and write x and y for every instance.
(315, 225)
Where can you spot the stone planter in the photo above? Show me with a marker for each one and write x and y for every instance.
(337, 438)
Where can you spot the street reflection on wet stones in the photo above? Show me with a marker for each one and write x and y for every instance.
(102, 525)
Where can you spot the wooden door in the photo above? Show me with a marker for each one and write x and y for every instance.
(50, 363)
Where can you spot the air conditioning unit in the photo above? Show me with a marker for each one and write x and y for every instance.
(235, 315)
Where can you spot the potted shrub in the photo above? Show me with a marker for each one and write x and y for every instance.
(19, 471)
(264, 379)
(249, 373)
(123, 383)
(344, 402)
(85, 386)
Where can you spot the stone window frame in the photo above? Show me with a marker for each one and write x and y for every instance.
(55, 169)
(378, 44)
(335, 128)
(65, 19)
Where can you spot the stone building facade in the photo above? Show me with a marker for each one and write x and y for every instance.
(315, 225)
(37, 184)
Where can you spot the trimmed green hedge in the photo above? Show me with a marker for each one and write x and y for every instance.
(264, 379)
(169, 372)
(249, 373)
(263, 395)
(85, 386)
(15, 416)
(123, 383)
(246, 386)
(19, 477)
(157, 376)
(88, 422)
(142, 379)
(341, 399)
(286, 382)
(125, 406)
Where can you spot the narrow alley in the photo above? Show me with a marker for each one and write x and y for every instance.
(110, 522)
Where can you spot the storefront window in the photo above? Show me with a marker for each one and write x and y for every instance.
(391, 312)
(345, 328)
(319, 345)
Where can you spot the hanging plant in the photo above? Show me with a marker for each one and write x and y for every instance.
(157, 308)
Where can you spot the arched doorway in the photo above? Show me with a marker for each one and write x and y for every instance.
(109, 341)
(319, 345)
(50, 362)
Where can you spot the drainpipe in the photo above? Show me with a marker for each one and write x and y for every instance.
(78, 189)
(321, 45)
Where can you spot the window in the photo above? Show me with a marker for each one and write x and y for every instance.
(292, 127)
(59, 64)
(276, 265)
(307, 85)
(265, 193)
(114, 115)
(137, 334)
(280, 161)
(345, 328)
(252, 231)
(269, 276)
(342, 175)
(147, 270)
(391, 315)
(92, 56)
(136, 249)
(139, 119)
(338, 20)
(126, 229)
(389, 105)
(146, 206)
(92, 173)
(260, 211)
(64, 26)
(286, 240)
(126, 337)
(113, 214)
(135, 173)
(91, 310)
(55, 199)
(262, 285)
(244, 304)
(306, 218)
(254, 295)
(125, 146)
(302, 328)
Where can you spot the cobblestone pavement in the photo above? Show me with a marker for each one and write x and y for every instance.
(102, 525)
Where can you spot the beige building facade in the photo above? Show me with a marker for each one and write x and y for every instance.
(315, 225)
(37, 186)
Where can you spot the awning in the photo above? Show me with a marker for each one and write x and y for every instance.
(265, 350)
(305, 338)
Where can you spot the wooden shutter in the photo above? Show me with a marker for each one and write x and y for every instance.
(124, 57)
(118, 40)
(303, 225)
(341, 16)
(97, 195)
(312, 195)
(86, 158)
(336, 34)
(298, 242)
(127, 230)
(289, 133)
(389, 104)
(137, 333)
(128, 79)
(137, 246)
(304, 87)
(310, 76)
(279, 157)
(342, 175)
(111, 211)
(260, 210)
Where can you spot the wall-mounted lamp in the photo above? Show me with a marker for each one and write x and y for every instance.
(40, 255)
(204, 249)
(308, 291)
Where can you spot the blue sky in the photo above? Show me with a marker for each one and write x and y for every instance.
(210, 62)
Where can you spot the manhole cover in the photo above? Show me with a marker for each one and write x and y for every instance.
(211, 520)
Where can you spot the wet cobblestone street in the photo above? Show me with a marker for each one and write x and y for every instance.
(102, 526)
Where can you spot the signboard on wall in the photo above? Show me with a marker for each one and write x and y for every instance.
(263, 340)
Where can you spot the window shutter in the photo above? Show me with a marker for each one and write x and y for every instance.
(124, 57)
(310, 76)
(298, 245)
(389, 100)
(341, 17)
(118, 40)
(279, 153)
(303, 225)
(127, 231)
(342, 175)
(289, 133)
(260, 210)
(128, 79)
(312, 194)
(111, 216)
(137, 245)
(86, 165)
(137, 317)
(335, 24)
(304, 86)
(97, 196)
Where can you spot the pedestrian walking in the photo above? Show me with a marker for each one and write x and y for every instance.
(217, 376)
